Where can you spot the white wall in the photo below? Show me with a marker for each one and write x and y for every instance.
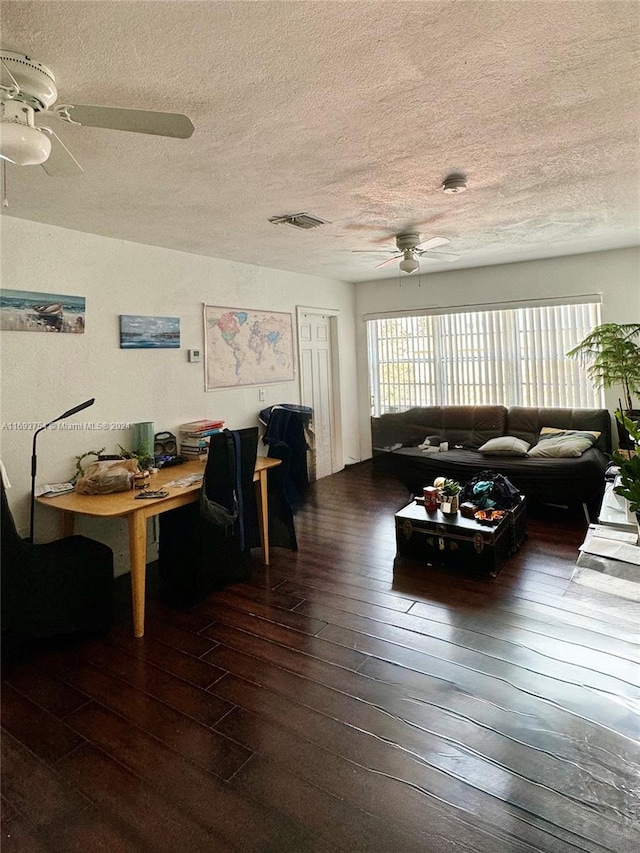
(43, 375)
(614, 274)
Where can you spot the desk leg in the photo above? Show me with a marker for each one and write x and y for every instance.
(263, 514)
(67, 520)
(138, 557)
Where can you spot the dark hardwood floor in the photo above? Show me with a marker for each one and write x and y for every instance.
(345, 700)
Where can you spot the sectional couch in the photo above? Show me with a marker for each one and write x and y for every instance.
(565, 481)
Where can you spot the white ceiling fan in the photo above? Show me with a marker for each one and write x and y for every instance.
(28, 89)
(411, 249)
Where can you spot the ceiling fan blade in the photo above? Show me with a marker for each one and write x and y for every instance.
(440, 256)
(61, 163)
(432, 242)
(389, 261)
(7, 80)
(135, 121)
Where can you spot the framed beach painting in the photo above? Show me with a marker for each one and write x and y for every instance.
(140, 332)
(32, 311)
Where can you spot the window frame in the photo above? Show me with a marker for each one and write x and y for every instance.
(530, 367)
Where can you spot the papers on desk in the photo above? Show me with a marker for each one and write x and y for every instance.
(53, 489)
(185, 481)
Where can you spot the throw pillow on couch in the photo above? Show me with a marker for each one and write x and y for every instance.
(563, 443)
(505, 445)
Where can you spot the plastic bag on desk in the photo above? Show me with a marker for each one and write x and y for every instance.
(103, 478)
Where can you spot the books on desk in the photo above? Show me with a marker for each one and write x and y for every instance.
(194, 437)
(194, 448)
(198, 429)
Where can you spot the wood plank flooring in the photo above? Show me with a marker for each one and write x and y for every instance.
(344, 700)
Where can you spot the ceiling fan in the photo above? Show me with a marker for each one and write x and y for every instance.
(411, 248)
(28, 88)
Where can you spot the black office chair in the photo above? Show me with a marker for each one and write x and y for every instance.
(60, 587)
(199, 554)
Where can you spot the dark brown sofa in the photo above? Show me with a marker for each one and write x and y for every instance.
(565, 481)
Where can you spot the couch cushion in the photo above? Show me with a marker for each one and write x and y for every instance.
(505, 445)
(527, 421)
(563, 443)
(554, 431)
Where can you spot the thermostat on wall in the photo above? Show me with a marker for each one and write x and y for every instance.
(195, 355)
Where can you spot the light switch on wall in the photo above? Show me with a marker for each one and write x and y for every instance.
(195, 355)
(261, 395)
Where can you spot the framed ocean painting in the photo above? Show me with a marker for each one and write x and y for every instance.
(140, 332)
(32, 311)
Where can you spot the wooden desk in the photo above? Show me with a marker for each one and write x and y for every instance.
(124, 505)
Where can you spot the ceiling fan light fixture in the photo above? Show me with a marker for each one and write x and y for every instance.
(409, 264)
(453, 184)
(21, 142)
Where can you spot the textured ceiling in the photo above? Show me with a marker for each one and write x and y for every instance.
(352, 111)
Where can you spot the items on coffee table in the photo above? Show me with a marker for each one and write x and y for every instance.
(459, 542)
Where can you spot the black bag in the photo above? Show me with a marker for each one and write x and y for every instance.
(206, 545)
(213, 512)
(490, 489)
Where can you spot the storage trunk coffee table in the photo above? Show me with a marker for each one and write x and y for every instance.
(452, 540)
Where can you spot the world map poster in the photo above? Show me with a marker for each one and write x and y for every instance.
(246, 347)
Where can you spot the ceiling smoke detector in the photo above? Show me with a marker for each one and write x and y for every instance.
(454, 184)
(298, 220)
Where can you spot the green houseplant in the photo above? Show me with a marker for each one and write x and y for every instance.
(450, 496)
(611, 354)
(629, 485)
(450, 488)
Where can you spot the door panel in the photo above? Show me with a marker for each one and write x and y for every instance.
(316, 372)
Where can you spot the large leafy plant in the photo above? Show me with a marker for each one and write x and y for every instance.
(629, 485)
(611, 354)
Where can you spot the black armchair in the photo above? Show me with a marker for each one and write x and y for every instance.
(59, 587)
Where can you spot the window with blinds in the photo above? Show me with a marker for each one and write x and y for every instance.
(512, 357)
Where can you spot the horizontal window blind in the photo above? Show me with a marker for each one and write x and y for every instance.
(510, 357)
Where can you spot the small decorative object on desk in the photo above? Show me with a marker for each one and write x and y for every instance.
(141, 480)
(450, 497)
(489, 516)
(142, 439)
(468, 509)
(430, 494)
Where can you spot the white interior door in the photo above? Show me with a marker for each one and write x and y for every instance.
(317, 371)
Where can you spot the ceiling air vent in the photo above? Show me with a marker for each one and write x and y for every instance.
(298, 220)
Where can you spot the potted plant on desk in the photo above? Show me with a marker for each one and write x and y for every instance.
(450, 497)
